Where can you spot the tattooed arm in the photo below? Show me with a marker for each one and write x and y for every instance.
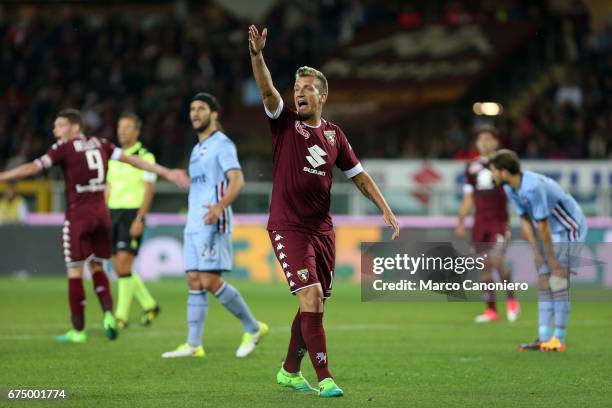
(370, 190)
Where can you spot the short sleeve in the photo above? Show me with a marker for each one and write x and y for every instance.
(54, 156)
(228, 157)
(147, 175)
(468, 179)
(468, 188)
(538, 203)
(108, 147)
(347, 159)
(518, 207)
(281, 120)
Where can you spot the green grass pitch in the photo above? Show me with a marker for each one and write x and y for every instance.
(382, 354)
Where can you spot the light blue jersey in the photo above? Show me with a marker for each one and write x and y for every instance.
(209, 247)
(208, 165)
(539, 198)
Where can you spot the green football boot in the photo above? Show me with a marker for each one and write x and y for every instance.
(72, 336)
(328, 388)
(293, 380)
(111, 330)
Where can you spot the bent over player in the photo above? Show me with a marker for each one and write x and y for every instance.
(490, 232)
(86, 229)
(305, 148)
(539, 200)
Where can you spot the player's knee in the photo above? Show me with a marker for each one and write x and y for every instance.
(504, 271)
(122, 264)
(487, 276)
(558, 283)
(75, 272)
(95, 266)
(494, 261)
(543, 282)
(311, 299)
(211, 281)
(193, 281)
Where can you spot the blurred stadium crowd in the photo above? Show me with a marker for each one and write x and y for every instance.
(152, 59)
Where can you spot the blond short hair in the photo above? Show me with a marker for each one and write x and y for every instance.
(306, 71)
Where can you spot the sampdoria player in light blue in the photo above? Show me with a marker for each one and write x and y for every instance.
(562, 226)
(216, 181)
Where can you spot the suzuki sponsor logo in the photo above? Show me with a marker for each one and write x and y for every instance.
(315, 158)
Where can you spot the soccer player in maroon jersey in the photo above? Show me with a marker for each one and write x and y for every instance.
(86, 230)
(490, 231)
(305, 149)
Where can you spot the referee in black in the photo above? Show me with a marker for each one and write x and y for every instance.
(129, 194)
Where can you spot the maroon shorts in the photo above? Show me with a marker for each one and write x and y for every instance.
(306, 259)
(85, 235)
(488, 235)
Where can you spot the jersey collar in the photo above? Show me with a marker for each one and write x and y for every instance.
(133, 149)
(313, 127)
(209, 137)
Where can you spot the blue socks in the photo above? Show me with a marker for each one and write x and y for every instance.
(545, 315)
(233, 301)
(553, 306)
(562, 308)
(197, 309)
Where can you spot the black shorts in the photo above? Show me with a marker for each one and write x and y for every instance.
(121, 221)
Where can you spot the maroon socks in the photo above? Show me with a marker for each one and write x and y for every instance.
(314, 338)
(102, 289)
(297, 346)
(76, 298)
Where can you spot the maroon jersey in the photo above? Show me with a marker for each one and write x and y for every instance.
(489, 198)
(84, 162)
(303, 160)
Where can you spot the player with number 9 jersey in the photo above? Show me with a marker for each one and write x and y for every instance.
(84, 162)
(86, 231)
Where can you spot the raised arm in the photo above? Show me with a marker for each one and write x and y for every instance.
(19, 172)
(177, 176)
(370, 190)
(269, 94)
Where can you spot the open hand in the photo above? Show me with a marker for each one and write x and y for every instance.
(137, 228)
(391, 221)
(460, 230)
(178, 177)
(213, 214)
(257, 41)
